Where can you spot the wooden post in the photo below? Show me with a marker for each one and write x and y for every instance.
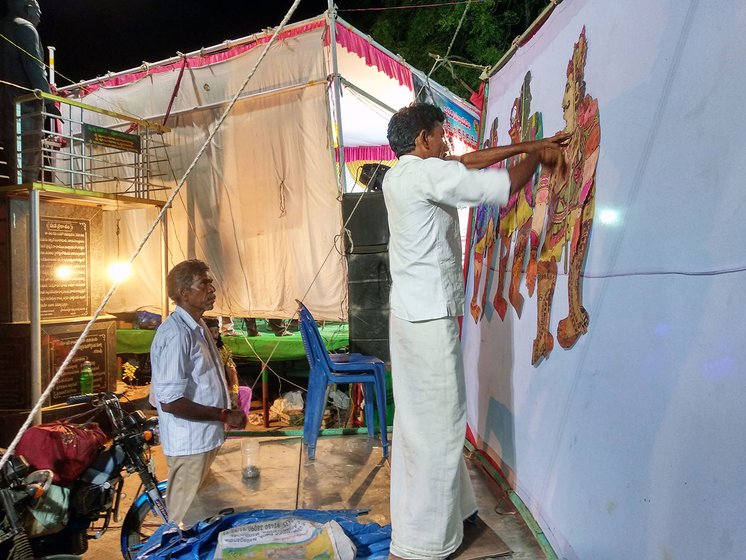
(265, 395)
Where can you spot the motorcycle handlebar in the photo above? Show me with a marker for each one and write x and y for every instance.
(88, 397)
(78, 399)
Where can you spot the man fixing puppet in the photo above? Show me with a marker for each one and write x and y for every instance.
(431, 494)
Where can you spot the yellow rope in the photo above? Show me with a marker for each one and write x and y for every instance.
(16, 86)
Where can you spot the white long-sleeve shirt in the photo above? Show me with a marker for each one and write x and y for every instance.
(186, 363)
(425, 246)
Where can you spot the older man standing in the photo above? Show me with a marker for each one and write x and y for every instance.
(188, 386)
(431, 493)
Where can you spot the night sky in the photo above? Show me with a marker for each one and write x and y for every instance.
(93, 37)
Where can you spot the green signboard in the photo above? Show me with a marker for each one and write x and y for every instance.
(111, 138)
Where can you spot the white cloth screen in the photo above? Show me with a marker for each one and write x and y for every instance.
(623, 445)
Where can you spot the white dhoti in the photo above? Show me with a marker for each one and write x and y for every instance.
(431, 493)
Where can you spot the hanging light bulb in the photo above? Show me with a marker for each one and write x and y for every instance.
(119, 271)
(63, 272)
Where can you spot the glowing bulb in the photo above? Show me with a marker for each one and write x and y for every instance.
(609, 217)
(119, 271)
(63, 272)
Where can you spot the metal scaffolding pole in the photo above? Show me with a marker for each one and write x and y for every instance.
(164, 266)
(34, 298)
(336, 89)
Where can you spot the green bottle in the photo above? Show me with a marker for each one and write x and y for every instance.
(86, 378)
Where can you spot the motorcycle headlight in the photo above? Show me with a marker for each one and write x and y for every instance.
(151, 431)
(14, 470)
(135, 419)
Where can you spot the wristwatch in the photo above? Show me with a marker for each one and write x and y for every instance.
(224, 415)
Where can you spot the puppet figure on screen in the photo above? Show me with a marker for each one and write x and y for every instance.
(485, 228)
(516, 217)
(570, 210)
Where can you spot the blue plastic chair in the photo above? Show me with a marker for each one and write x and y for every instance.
(329, 369)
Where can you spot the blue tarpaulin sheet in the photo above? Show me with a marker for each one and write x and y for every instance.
(198, 543)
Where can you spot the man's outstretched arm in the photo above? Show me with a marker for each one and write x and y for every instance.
(480, 159)
(550, 156)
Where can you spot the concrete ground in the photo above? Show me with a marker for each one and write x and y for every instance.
(349, 472)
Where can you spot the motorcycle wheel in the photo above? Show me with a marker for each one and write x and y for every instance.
(139, 525)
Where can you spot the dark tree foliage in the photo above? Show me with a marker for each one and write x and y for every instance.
(486, 34)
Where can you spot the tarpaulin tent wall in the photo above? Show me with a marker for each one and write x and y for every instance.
(262, 204)
(627, 445)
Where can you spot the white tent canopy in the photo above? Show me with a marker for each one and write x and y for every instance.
(261, 207)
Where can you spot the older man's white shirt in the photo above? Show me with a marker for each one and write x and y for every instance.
(186, 363)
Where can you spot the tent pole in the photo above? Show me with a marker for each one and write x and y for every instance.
(219, 104)
(336, 87)
(265, 395)
(330, 133)
(164, 266)
(34, 231)
(367, 96)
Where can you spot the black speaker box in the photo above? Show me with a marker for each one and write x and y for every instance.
(365, 340)
(367, 221)
(368, 288)
(371, 175)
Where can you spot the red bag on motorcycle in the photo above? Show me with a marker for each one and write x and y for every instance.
(65, 448)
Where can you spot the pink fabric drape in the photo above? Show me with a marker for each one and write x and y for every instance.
(373, 56)
(345, 37)
(198, 61)
(367, 153)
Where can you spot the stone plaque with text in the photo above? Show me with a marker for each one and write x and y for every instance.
(65, 268)
(98, 348)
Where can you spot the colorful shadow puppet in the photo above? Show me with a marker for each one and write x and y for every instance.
(516, 216)
(485, 228)
(550, 218)
(570, 204)
(512, 225)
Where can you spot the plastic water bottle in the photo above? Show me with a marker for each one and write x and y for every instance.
(250, 458)
(86, 378)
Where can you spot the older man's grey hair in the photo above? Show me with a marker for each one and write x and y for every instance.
(181, 277)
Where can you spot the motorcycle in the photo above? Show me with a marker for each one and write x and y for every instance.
(94, 499)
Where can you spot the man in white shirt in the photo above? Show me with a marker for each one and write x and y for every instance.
(431, 494)
(188, 386)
